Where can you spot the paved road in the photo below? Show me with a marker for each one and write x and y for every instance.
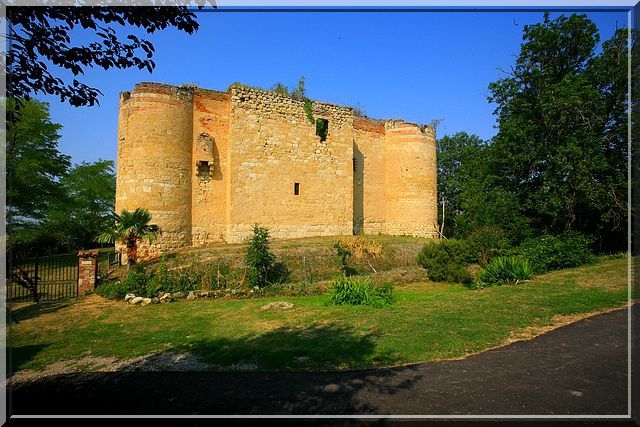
(580, 369)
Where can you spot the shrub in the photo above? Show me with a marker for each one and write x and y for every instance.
(445, 261)
(136, 281)
(112, 290)
(486, 243)
(361, 248)
(344, 253)
(548, 252)
(219, 275)
(504, 270)
(352, 291)
(262, 264)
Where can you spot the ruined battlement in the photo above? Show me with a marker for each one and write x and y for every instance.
(209, 165)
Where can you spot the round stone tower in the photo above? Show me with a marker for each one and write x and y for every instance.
(410, 178)
(154, 159)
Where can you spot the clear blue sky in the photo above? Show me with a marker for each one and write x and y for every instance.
(416, 66)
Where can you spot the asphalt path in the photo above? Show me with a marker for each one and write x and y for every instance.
(578, 369)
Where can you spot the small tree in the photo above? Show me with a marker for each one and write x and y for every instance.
(299, 92)
(280, 88)
(260, 261)
(344, 254)
(129, 229)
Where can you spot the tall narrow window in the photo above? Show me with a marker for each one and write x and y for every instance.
(355, 165)
(322, 129)
(296, 188)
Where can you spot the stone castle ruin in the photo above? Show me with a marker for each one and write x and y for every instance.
(210, 165)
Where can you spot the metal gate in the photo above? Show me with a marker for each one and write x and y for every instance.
(42, 278)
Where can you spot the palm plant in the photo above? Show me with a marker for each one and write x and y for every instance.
(129, 229)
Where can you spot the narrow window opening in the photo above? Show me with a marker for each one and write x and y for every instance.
(355, 165)
(296, 188)
(204, 169)
(322, 129)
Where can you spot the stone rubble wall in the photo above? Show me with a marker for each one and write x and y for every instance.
(154, 158)
(256, 145)
(210, 143)
(410, 180)
(369, 179)
(274, 146)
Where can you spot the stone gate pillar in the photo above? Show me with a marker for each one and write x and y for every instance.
(87, 270)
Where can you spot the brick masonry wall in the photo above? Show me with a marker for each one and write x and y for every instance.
(87, 271)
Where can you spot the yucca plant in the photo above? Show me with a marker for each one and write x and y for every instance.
(504, 270)
(129, 229)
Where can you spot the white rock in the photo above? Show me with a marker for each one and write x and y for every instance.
(146, 301)
(282, 305)
(129, 297)
(136, 300)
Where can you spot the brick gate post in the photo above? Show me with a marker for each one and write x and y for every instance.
(87, 270)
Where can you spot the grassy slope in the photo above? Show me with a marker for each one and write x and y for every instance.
(312, 257)
(429, 321)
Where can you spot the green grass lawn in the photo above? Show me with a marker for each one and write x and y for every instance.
(429, 321)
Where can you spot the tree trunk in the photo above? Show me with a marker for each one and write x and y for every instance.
(132, 252)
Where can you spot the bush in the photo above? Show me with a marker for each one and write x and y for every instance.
(504, 270)
(445, 261)
(548, 252)
(136, 281)
(219, 275)
(112, 290)
(486, 243)
(179, 280)
(344, 253)
(352, 291)
(262, 264)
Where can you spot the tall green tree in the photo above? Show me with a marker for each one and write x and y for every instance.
(560, 148)
(457, 156)
(471, 193)
(86, 206)
(34, 164)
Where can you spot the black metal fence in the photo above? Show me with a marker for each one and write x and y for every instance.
(42, 278)
(107, 261)
(51, 277)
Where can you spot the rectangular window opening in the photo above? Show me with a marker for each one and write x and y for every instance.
(204, 168)
(322, 129)
(296, 188)
(355, 165)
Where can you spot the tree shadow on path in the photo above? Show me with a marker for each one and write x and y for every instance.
(141, 389)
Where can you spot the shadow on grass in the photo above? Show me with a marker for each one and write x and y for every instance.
(315, 347)
(145, 387)
(36, 309)
(19, 356)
